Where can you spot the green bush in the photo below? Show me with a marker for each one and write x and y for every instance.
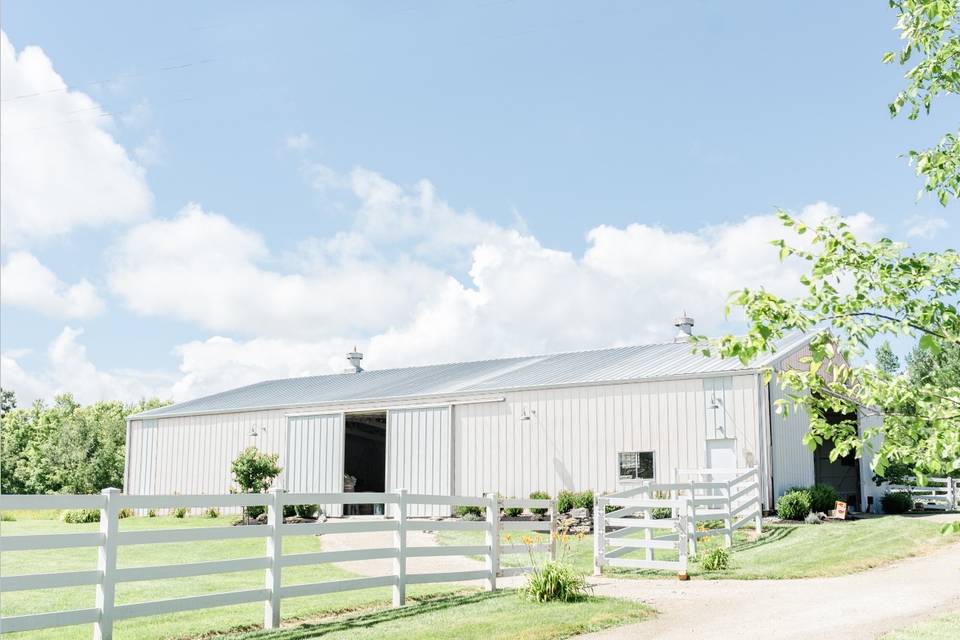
(254, 511)
(717, 559)
(126, 512)
(465, 511)
(539, 495)
(896, 502)
(512, 512)
(151, 513)
(212, 512)
(254, 472)
(823, 498)
(794, 505)
(565, 501)
(80, 516)
(180, 512)
(556, 581)
(306, 510)
(661, 513)
(584, 500)
(6, 516)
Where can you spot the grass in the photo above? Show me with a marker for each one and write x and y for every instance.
(783, 550)
(502, 614)
(945, 627)
(186, 624)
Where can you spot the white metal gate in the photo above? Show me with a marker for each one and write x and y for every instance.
(314, 462)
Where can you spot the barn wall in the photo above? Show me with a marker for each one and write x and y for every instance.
(792, 461)
(574, 435)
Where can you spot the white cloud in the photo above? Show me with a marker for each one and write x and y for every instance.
(150, 151)
(69, 171)
(200, 267)
(25, 282)
(925, 226)
(298, 142)
(68, 370)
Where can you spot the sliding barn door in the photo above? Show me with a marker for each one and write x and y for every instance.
(418, 455)
(314, 462)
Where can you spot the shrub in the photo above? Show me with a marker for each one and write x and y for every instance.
(823, 498)
(584, 500)
(212, 512)
(306, 510)
(152, 513)
(180, 512)
(126, 512)
(254, 511)
(896, 502)
(6, 516)
(717, 559)
(565, 501)
(661, 513)
(556, 581)
(539, 495)
(254, 472)
(794, 505)
(471, 517)
(463, 510)
(512, 512)
(79, 516)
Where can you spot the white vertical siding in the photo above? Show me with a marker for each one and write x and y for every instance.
(418, 454)
(314, 456)
(792, 461)
(573, 435)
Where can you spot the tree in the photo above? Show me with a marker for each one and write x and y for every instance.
(255, 472)
(887, 360)
(8, 401)
(857, 292)
(931, 31)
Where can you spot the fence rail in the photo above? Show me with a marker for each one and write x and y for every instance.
(941, 494)
(729, 495)
(107, 575)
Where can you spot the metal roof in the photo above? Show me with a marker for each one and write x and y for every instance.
(619, 364)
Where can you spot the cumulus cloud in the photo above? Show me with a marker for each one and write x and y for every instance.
(25, 282)
(203, 268)
(925, 226)
(69, 171)
(68, 369)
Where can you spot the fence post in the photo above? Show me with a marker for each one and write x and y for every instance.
(107, 564)
(952, 493)
(492, 535)
(682, 543)
(554, 532)
(692, 514)
(728, 521)
(599, 532)
(400, 543)
(272, 578)
(758, 519)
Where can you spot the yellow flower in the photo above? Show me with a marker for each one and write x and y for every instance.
(580, 535)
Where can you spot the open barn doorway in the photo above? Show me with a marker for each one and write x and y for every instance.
(843, 474)
(365, 458)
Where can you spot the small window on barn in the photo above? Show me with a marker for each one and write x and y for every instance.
(636, 465)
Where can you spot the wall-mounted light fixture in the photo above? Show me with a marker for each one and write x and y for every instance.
(525, 414)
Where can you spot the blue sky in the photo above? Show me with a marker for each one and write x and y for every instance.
(302, 132)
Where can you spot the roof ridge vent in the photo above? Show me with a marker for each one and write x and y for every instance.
(354, 358)
(684, 325)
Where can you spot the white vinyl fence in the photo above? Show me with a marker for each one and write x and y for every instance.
(109, 538)
(942, 494)
(734, 500)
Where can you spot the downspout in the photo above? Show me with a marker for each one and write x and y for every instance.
(126, 458)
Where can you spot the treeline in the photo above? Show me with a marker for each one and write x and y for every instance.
(64, 447)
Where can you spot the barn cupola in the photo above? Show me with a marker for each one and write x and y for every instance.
(684, 325)
(354, 358)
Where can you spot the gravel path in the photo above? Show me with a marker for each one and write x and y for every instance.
(861, 605)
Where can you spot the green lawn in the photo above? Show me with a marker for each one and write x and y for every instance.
(940, 628)
(503, 614)
(783, 551)
(183, 624)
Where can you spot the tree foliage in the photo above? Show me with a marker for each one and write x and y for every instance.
(255, 471)
(930, 30)
(65, 447)
(857, 292)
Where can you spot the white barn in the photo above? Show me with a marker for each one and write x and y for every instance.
(582, 420)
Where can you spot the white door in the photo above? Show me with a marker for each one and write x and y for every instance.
(722, 455)
(418, 455)
(314, 462)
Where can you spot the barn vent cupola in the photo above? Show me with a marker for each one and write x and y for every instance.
(684, 325)
(354, 358)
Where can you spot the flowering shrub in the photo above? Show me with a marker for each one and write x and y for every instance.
(553, 580)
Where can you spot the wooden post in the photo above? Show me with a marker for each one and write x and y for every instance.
(400, 544)
(599, 532)
(758, 519)
(493, 539)
(271, 608)
(692, 515)
(107, 564)
(682, 544)
(554, 529)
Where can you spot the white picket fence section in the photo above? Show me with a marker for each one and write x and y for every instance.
(735, 500)
(941, 494)
(107, 575)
